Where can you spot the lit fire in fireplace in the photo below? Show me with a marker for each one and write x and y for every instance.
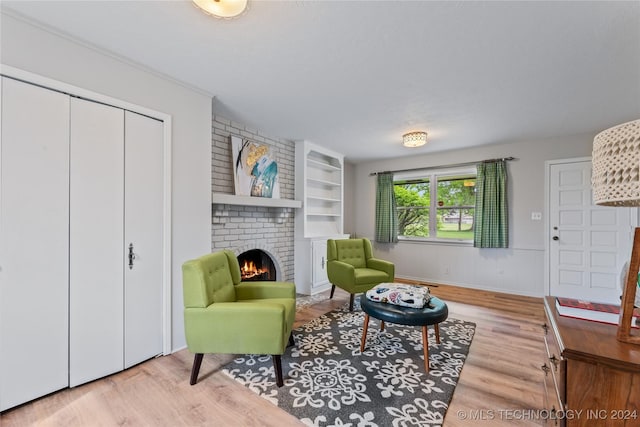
(249, 270)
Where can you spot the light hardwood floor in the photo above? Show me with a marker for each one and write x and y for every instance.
(500, 379)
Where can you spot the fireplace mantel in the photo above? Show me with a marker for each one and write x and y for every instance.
(231, 199)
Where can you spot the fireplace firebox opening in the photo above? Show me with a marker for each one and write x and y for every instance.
(256, 265)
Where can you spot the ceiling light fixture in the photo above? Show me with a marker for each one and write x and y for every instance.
(222, 8)
(414, 139)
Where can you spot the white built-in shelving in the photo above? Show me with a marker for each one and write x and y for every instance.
(319, 181)
(319, 184)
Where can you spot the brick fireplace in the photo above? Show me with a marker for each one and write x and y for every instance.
(257, 265)
(243, 228)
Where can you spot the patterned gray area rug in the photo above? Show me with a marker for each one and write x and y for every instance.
(329, 382)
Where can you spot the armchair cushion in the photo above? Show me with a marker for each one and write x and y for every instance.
(244, 327)
(350, 251)
(368, 275)
(207, 280)
(260, 290)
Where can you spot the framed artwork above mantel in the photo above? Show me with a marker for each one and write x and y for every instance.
(255, 169)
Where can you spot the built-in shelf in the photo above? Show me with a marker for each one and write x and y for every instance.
(231, 199)
(323, 165)
(319, 183)
(324, 199)
(323, 182)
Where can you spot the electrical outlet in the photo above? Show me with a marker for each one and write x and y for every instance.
(536, 216)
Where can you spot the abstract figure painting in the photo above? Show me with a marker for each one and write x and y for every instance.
(255, 170)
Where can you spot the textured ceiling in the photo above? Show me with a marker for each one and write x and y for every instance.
(354, 76)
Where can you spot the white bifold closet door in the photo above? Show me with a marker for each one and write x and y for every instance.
(34, 240)
(96, 241)
(143, 233)
(115, 273)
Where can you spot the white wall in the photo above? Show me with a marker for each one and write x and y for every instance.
(38, 51)
(518, 269)
(349, 221)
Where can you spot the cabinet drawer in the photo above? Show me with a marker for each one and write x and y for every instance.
(554, 368)
(552, 401)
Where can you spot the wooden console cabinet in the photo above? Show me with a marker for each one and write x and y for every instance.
(591, 378)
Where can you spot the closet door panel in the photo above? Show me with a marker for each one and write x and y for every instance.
(143, 230)
(34, 170)
(96, 241)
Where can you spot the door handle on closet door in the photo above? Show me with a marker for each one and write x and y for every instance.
(555, 238)
(132, 256)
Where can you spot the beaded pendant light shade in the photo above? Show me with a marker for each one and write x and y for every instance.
(414, 139)
(616, 166)
(616, 182)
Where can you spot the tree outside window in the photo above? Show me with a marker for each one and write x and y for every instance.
(440, 206)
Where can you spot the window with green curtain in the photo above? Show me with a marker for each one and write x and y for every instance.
(386, 216)
(491, 221)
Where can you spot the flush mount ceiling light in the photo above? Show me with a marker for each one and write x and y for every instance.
(414, 139)
(222, 8)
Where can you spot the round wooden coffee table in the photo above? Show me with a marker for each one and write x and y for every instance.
(434, 312)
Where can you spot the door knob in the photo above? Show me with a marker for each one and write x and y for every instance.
(132, 256)
(555, 238)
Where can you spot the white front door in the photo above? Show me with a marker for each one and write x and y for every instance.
(588, 244)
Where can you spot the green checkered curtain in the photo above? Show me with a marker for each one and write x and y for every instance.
(491, 220)
(386, 215)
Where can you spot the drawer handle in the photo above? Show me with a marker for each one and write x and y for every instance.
(545, 369)
(555, 361)
(545, 328)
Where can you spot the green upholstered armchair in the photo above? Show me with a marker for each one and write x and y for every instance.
(352, 267)
(224, 315)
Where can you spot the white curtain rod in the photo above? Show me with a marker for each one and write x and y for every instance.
(454, 165)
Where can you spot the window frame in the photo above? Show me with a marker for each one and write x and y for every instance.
(433, 176)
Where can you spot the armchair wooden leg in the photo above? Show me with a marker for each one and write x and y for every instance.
(277, 366)
(333, 288)
(197, 361)
(351, 302)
